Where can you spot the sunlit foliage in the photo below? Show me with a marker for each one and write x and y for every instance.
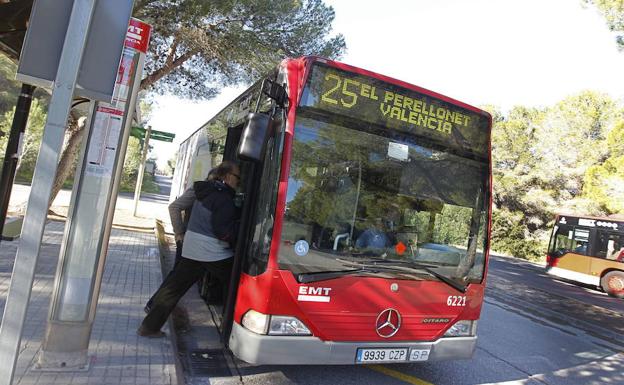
(558, 159)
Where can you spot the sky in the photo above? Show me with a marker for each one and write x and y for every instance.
(499, 52)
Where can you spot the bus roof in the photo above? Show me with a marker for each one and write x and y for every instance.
(616, 224)
(613, 218)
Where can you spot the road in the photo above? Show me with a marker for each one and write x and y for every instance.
(533, 330)
(150, 205)
(534, 276)
(164, 186)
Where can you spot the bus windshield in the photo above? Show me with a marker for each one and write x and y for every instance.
(360, 197)
(567, 239)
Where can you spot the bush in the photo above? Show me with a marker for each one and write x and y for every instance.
(128, 183)
(510, 235)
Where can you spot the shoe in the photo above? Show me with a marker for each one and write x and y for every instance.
(147, 308)
(143, 332)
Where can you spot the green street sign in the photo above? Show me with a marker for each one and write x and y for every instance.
(139, 132)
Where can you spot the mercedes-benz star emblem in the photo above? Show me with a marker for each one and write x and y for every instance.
(388, 323)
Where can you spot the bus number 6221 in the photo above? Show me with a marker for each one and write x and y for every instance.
(456, 300)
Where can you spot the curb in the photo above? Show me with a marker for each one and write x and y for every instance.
(12, 228)
(163, 249)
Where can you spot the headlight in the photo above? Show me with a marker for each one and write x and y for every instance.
(462, 329)
(281, 325)
(256, 322)
(276, 325)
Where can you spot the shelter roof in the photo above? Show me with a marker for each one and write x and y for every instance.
(14, 15)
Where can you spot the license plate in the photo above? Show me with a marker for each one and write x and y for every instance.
(419, 354)
(381, 355)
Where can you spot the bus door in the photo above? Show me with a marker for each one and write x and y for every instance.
(209, 288)
(259, 184)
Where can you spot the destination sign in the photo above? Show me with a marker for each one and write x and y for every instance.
(591, 222)
(378, 102)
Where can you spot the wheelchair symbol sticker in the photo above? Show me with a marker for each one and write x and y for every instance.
(301, 248)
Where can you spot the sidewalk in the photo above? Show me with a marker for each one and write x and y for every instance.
(118, 356)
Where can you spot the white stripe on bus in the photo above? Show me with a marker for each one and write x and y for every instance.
(574, 276)
(313, 298)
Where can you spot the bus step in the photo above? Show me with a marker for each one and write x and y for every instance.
(207, 363)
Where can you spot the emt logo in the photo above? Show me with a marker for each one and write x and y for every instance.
(314, 294)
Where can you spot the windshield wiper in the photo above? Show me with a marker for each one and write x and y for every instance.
(327, 275)
(414, 268)
(375, 266)
(386, 261)
(454, 284)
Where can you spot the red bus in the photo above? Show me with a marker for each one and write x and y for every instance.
(366, 217)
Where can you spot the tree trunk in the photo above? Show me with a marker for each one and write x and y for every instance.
(74, 136)
(166, 69)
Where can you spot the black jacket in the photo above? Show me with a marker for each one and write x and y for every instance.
(218, 199)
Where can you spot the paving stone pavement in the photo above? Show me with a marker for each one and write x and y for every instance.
(118, 356)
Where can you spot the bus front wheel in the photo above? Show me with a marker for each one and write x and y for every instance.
(613, 284)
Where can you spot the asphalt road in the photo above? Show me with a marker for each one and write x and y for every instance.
(164, 187)
(164, 184)
(534, 276)
(20, 194)
(533, 330)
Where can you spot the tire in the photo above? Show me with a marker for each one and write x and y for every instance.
(613, 284)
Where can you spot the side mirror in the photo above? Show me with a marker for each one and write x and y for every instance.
(254, 137)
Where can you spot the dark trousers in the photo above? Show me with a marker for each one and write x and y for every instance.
(184, 274)
(177, 259)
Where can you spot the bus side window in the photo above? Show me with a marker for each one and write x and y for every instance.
(609, 245)
(581, 241)
(581, 248)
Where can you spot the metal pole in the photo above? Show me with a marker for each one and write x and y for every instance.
(12, 154)
(43, 180)
(139, 183)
